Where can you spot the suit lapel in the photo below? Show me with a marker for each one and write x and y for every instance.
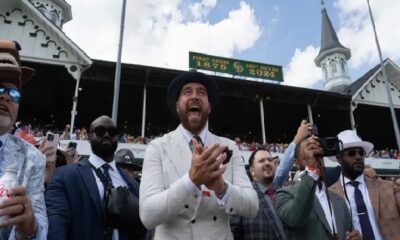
(177, 149)
(321, 215)
(337, 188)
(87, 174)
(373, 192)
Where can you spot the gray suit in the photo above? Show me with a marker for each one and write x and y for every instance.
(167, 205)
(303, 216)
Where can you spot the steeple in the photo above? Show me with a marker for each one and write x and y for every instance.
(57, 11)
(332, 57)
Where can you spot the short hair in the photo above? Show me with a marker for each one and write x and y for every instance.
(251, 158)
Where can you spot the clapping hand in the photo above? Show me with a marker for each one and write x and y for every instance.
(206, 166)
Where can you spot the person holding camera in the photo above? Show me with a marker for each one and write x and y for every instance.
(268, 175)
(307, 209)
(22, 208)
(374, 203)
(84, 200)
(192, 179)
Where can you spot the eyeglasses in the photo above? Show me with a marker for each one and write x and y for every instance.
(100, 131)
(14, 93)
(353, 152)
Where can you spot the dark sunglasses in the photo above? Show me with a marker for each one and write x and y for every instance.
(353, 152)
(14, 93)
(100, 131)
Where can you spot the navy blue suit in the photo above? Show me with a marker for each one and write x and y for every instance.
(74, 205)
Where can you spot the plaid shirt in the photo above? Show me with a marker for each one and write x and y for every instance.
(266, 225)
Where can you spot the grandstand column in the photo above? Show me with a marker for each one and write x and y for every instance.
(353, 107)
(262, 121)
(144, 111)
(76, 72)
(144, 103)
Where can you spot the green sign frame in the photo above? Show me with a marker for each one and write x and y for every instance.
(235, 67)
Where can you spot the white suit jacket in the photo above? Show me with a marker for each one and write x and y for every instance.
(167, 205)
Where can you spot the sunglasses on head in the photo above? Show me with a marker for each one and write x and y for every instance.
(100, 131)
(353, 152)
(15, 94)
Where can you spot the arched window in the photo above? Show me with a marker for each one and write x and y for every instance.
(332, 65)
(343, 66)
(325, 71)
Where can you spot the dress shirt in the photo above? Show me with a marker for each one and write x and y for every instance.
(190, 186)
(284, 167)
(115, 175)
(323, 201)
(353, 207)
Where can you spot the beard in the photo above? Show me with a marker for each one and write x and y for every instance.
(105, 151)
(5, 121)
(194, 125)
(353, 171)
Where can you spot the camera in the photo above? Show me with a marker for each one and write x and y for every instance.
(330, 145)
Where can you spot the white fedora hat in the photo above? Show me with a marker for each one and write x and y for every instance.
(350, 139)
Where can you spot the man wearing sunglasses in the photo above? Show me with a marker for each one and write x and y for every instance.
(75, 197)
(25, 204)
(188, 190)
(374, 203)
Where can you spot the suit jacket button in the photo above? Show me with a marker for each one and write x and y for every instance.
(231, 210)
(186, 206)
(193, 221)
(215, 218)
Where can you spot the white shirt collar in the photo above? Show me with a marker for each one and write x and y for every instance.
(188, 135)
(97, 162)
(359, 179)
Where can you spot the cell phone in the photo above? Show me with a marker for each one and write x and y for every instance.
(228, 155)
(51, 140)
(314, 130)
(72, 145)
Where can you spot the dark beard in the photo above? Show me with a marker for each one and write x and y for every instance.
(194, 127)
(105, 151)
(352, 172)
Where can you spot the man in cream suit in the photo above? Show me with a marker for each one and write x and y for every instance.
(187, 191)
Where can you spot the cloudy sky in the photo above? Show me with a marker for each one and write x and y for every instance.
(281, 32)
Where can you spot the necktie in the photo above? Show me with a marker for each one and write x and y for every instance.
(366, 227)
(107, 179)
(271, 193)
(107, 182)
(198, 140)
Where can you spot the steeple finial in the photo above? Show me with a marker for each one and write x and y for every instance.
(322, 4)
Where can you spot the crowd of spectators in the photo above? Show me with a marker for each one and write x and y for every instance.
(386, 153)
(82, 134)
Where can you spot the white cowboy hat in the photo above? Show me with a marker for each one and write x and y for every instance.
(350, 139)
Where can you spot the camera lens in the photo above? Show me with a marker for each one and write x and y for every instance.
(330, 145)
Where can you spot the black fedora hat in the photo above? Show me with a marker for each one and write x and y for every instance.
(176, 85)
